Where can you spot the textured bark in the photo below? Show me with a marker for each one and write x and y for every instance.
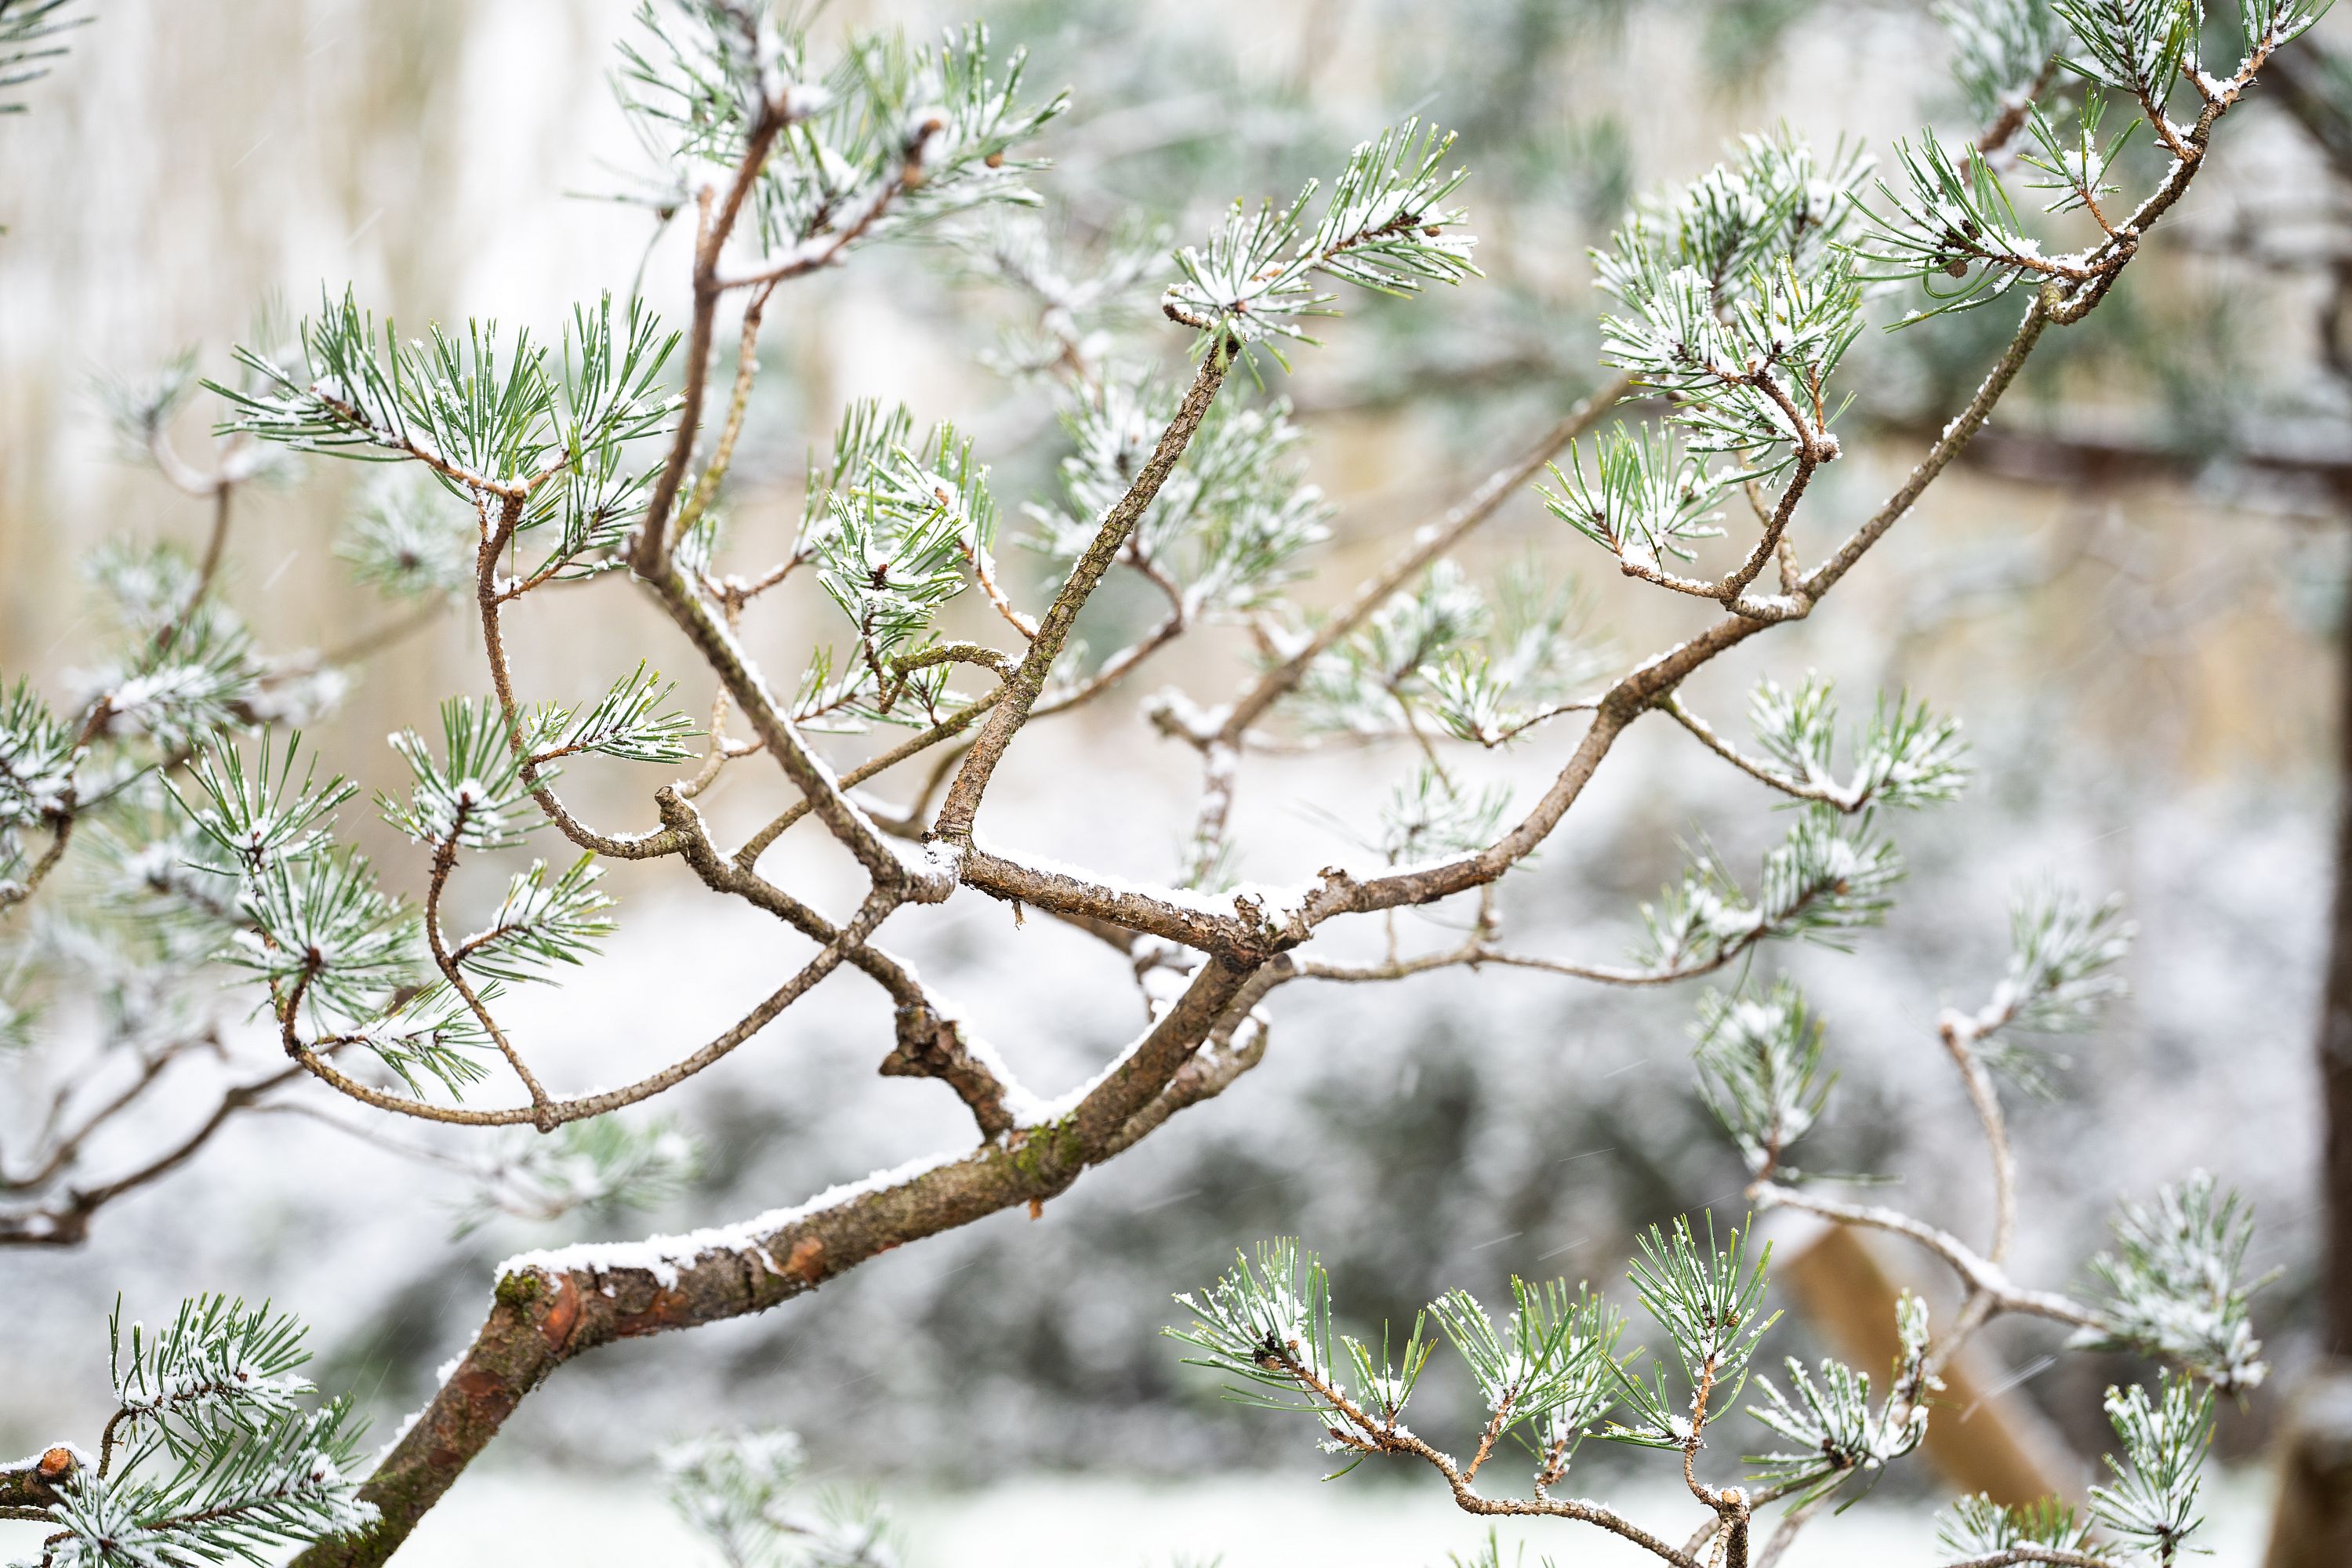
(544, 1316)
(1027, 682)
(933, 1046)
(34, 1483)
(2335, 1047)
(2314, 1525)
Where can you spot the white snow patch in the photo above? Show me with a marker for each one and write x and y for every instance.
(664, 1255)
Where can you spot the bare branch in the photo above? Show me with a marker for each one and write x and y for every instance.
(1980, 1274)
(1028, 682)
(310, 1055)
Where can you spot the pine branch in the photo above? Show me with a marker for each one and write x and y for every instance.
(27, 28)
(1906, 757)
(1383, 229)
(2175, 1285)
(1027, 683)
(218, 1458)
(1743, 307)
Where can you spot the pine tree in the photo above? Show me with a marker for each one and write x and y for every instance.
(176, 801)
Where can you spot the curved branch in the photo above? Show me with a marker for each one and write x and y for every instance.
(2017, 1554)
(63, 1148)
(551, 1307)
(1477, 953)
(444, 861)
(922, 877)
(69, 1226)
(1117, 667)
(554, 1113)
(14, 892)
(1659, 676)
(1829, 793)
(1370, 1434)
(820, 251)
(1980, 1274)
(954, 724)
(715, 221)
(2018, 109)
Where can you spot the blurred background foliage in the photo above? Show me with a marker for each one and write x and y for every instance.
(2131, 595)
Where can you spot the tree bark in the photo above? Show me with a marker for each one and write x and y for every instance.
(549, 1307)
(2314, 1525)
(2305, 82)
(2335, 1046)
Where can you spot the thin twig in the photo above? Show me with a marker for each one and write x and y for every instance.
(555, 1114)
(1028, 682)
(1977, 1272)
(1431, 542)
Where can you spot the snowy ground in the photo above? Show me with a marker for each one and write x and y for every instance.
(1237, 1522)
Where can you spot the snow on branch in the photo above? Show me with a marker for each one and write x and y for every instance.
(581, 464)
(210, 1454)
(1383, 228)
(2175, 1286)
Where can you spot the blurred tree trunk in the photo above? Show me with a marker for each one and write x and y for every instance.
(2314, 91)
(2313, 1528)
(2336, 1044)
